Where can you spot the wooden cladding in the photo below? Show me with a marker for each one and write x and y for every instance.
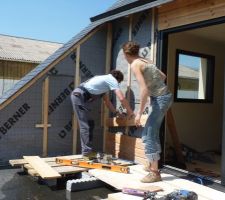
(125, 147)
(14, 70)
(183, 12)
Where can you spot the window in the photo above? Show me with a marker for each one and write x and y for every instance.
(194, 77)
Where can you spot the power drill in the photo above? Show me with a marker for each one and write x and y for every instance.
(181, 195)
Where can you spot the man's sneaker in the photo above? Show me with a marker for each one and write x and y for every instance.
(90, 156)
(151, 177)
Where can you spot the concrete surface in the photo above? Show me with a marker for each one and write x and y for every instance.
(17, 186)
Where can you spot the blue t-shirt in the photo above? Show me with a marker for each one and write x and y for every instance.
(101, 84)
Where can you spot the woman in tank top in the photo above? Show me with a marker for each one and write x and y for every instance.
(152, 84)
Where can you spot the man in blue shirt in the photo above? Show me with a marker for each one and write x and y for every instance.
(87, 92)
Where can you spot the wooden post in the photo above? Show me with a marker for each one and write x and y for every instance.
(45, 125)
(76, 83)
(129, 69)
(107, 69)
(174, 136)
(153, 43)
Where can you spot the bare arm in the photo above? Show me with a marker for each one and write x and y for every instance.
(136, 68)
(109, 104)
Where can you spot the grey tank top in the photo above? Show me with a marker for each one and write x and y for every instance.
(153, 80)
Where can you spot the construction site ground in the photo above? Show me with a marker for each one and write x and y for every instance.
(14, 185)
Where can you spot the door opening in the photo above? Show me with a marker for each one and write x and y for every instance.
(193, 58)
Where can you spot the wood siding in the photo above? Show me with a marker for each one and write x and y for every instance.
(125, 147)
(183, 12)
(14, 70)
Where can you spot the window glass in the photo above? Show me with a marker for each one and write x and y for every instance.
(194, 76)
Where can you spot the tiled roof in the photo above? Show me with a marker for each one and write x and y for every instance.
(25, 50)
(120, 3)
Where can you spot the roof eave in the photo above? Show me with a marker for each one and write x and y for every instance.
(120, 9)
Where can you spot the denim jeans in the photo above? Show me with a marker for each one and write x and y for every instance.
(150, 134)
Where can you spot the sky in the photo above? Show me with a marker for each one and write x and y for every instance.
(49, 20)
(190, 61)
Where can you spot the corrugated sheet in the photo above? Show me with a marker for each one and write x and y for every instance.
(25, 50)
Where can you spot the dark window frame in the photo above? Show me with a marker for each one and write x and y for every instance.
(209, 77)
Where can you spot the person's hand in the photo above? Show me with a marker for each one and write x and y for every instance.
(119, 114)
(137, 120)
(131, 115)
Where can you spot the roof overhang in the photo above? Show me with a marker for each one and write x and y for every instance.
(128, 9)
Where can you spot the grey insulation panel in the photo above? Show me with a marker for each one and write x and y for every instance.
(141, 33)
(92, 60)
(60, 110)
(18, 135)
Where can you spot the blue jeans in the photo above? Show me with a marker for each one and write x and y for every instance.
(150, 134)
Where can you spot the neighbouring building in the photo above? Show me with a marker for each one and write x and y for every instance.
(18, 56)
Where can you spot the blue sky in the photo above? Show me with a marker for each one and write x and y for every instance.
(190, 61)
(50, 20)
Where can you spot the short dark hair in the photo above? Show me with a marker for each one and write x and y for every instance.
(131, 48)
(118, 75)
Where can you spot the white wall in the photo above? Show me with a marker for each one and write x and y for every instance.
(199, 125)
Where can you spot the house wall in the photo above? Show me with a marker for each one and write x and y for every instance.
(182, 12)
(18, 134)
(199, 125)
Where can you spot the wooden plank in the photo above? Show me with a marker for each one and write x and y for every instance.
(76, 83)
(42, 168)
(169, 183)
(153, 42)
(118, 138)
(117, 146)
(45, 94)
(63, 170)
(174, 135)
(129, 70)
(42, 125)
(107, 70)
(19, 162)
(36, 78)
(117, 121)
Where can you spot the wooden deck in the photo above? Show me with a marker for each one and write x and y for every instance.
(52, 170)
(169, 183)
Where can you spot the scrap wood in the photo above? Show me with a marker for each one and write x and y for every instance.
(41, 167)
(20, 162)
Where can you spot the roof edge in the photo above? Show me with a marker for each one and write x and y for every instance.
(33, 39)
(120, 9)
